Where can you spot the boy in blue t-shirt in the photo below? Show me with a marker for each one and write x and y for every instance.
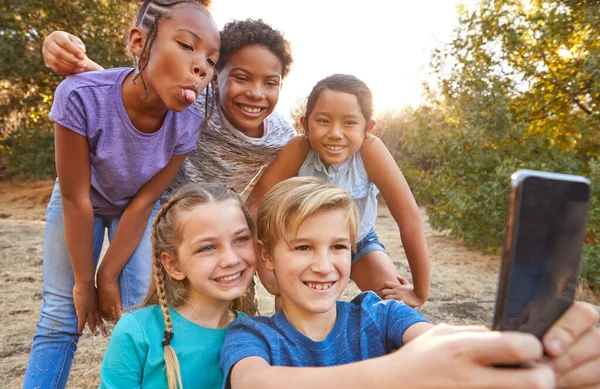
(307, 230)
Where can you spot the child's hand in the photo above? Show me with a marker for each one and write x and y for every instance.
(109, 298)
(86, 307)
(573, 346)
(463, 357)
(403, 291)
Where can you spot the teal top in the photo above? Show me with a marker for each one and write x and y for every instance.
(134, 357)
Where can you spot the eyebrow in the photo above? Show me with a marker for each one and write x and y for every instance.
(275, 75)
(346, 116)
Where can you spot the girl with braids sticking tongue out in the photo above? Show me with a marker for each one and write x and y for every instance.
(203, 260)
(121, 135)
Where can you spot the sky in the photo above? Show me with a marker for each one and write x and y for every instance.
(386, 43)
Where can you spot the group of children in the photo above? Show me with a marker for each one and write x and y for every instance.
(122, 137)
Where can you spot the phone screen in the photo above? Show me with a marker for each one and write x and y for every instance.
(545, 249)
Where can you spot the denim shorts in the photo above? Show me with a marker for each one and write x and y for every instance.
(366, 245)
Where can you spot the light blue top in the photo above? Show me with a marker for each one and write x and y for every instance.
(134, 357)
(367, 327)
(352, 176)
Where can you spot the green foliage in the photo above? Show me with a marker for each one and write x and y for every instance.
(26, 85)
(518, 87)
(29, 153)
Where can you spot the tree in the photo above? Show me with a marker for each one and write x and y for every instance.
(518, 87)
(26, 85)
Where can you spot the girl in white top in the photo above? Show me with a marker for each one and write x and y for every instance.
(338, 147)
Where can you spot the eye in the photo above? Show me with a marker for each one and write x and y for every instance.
(322, 121)
(207, 249)
(303, 247)
(241, 78)
(340, 247)
(242, 240)
(211, 62)
(351, 123)
(186, 46)
(272, 83)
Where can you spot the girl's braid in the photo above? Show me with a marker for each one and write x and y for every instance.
(171, 361)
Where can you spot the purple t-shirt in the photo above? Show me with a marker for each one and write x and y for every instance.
(122, 158)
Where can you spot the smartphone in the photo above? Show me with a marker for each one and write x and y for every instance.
(541, 258)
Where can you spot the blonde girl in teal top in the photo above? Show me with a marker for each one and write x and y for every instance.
(203, 261)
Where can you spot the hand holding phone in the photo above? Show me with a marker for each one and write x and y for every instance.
(542, 250)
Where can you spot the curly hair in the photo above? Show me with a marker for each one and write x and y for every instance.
(241, 33)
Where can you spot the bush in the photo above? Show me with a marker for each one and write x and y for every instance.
(29, 153)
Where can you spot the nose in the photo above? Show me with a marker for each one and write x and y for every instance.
(335, 131)
(200, 68)
(255, 92)
(229, 257)
(322, 263)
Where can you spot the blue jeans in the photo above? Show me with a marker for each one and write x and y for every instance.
(56, 336)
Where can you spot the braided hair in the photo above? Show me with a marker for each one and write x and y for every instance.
(149, 16)
(168, 292)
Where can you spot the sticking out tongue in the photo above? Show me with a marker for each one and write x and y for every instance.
(189, 95)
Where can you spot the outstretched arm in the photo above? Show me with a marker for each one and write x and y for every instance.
(444, 357)
(64, 53)
(385, 174)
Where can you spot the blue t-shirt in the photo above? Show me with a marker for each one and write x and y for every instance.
(134, 357)
(367, 327)
(122, 158)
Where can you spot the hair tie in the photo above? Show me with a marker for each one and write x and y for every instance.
(168, 337)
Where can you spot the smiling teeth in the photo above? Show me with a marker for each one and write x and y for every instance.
(320, 286)
(334, 148)
(250, 109)
(230, 278)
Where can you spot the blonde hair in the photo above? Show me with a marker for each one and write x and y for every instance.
(168, 292)
(292, 201)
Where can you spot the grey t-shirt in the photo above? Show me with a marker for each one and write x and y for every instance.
(225, 155)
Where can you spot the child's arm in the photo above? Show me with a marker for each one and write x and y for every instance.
(64, 53)
(128, 235)
(286, 164)
(74, 175)
(385, 174)
(445, 357)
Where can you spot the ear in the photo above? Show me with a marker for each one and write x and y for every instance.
(265, 256)
(370, 126)
(136, 40)
(215, 81)
(171, 265)
(304, 125)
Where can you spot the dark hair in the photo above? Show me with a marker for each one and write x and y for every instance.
(241, 33)
(149, 16)
(342, 83)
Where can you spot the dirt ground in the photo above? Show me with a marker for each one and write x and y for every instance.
(462, 288)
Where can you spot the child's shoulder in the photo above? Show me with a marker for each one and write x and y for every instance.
(96, 78)
(280, 127)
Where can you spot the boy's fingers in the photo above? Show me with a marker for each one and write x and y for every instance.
(504, 348)
(91, 322)
(576, 321)
(586, 349)
(538, 376)
(586, 375)
(402, 280)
